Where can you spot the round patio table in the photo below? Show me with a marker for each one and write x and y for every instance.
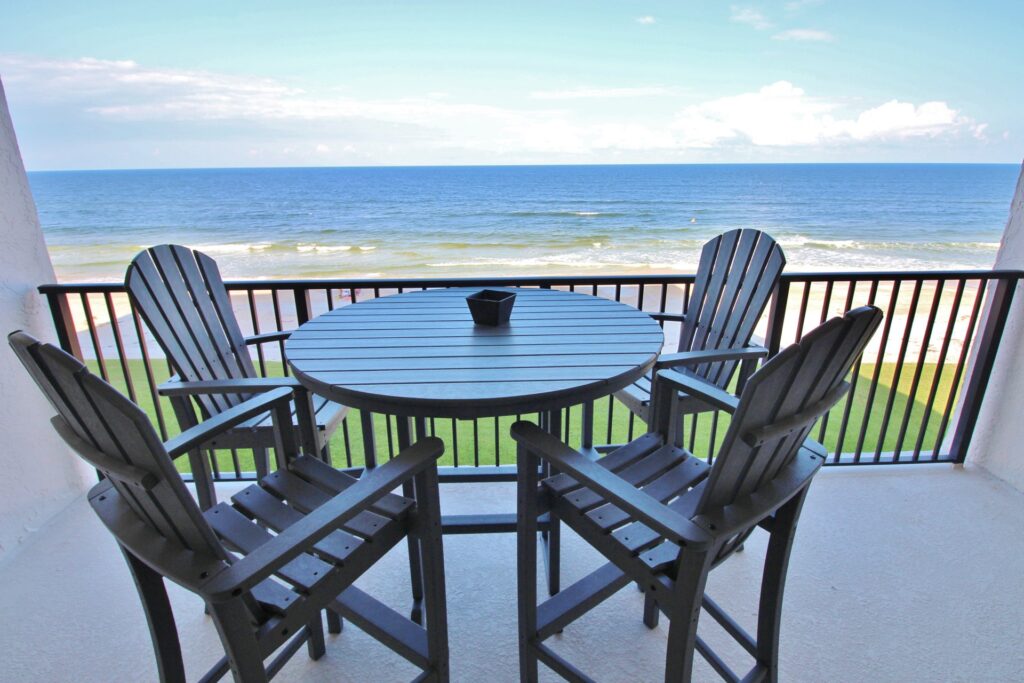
(419, 354)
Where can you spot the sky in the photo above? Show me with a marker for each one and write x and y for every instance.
(235, 84)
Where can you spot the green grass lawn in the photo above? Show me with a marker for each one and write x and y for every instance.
(469, 444)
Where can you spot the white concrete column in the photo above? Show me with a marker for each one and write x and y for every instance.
(39, 475)
(998, 443)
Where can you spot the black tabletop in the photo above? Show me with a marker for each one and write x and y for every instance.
(419, 354)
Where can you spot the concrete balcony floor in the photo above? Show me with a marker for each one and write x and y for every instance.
(898, 574)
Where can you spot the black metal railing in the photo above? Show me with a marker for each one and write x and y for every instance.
(915, 398)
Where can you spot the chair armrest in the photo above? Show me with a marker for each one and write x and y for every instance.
(267, 337)
(195, 436)
(648, 510)
(301, 536)
(250, 385)
(698, 388)
(674, 360)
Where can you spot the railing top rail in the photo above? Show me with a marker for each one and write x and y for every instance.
(552, 280)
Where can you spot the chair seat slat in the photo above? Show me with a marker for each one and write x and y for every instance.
(270, 510)
(305, 497)
(616, 460)
(674, 482)
(242, 534)
(335, 481)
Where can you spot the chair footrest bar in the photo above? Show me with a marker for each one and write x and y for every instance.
(757, 674)
(571, 603)
(385, 624)
(499, 523)
(217, 672)
(557, 664)
(473, 474)
(293, 645)
(715, 661)
(738, 633)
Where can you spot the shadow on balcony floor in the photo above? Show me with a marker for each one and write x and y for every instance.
(899, 574)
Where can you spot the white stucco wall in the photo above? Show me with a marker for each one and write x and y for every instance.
(39, 475)
(998, 443)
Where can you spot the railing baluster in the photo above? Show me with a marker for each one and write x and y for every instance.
(115, 329)
(251, 297)
(922, 357)
(94, 336)
(987, 347)
(150, 379)
(890, 402)
(961, 363)
(940, 367)
(64, 323)
(854, 374)
(455, 443)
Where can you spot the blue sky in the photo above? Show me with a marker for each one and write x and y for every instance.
(190, 84)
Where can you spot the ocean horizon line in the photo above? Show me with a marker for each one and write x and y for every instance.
(742, 164)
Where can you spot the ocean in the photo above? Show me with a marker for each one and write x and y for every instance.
(518, 220)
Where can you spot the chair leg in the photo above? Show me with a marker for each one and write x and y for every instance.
(197, 459)
(316, 645)
(369, 439)
(432, 555)
(553, 538)
(773, 583)
(203, 478)
(160, 618)
(553, 555)
(415, 566)
(335, 624)
(404, 429)
(325, 452)
(651, 611)
(685, 613)
(232, 621)
(526, 560)
(261, 459)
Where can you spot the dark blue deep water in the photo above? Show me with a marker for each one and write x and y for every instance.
(433, 221)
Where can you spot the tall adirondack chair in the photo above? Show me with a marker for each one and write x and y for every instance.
(736, 275)
(664, 519)
(264, 591)
(181, 296)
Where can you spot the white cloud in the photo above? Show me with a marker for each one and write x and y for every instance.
(805, 34)
(646, 20)
(783, 115)
(796, 5)
(125, 90)
(750, 17)
(558, 124)
(600, 93)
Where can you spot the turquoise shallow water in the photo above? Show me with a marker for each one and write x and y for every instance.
(440, 221)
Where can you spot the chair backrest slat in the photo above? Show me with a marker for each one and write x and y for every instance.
(209, 272)
(782, 402)
(736, 275)
(180, 295)
(106, 420)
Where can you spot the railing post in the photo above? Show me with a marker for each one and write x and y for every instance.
(981, 372)
(64, 323)
(777, 317)
(302, 304)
